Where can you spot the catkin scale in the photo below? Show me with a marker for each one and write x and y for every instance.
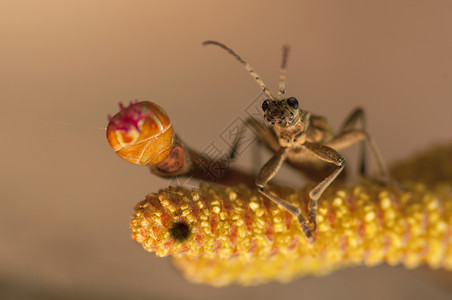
(141, 133)
(238, 236)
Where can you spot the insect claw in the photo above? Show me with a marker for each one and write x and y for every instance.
(309, 228)
(309, 234)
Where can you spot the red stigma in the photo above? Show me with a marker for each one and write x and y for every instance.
(129, 117)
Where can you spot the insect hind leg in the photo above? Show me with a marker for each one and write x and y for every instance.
(354, 130)
(357, 116)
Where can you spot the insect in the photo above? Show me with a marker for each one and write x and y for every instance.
(222, 235)
(295, 135)
(142, 134)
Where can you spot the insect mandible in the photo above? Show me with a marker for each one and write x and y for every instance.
(295, 135)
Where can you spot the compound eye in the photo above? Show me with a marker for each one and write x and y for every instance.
(265, 105)
(180, 231)
(292, 102)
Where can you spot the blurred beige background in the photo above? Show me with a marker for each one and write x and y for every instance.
(66, 198)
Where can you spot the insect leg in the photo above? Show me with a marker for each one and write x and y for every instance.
(350, 134)
(346, 139)
(264, 134)
(350, 123)
(382, 168)
(236, 145)
(356, 116)
(329, 155)
(267, 172)
(270, 168)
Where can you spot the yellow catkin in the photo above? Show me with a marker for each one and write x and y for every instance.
(255, 241)
(235, 235)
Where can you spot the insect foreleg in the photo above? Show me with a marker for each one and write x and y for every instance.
(329, 155)
(267, 172)
(270, 169)
(264, 134)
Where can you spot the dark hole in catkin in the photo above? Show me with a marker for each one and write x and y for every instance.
(180, 231)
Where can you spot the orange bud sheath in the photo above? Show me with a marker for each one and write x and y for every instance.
(141, 133)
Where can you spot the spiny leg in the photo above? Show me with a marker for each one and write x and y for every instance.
(329, 155)
(282, 72)
(245, 64)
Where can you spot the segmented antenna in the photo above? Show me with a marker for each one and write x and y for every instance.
(246, 65)
(282, 72)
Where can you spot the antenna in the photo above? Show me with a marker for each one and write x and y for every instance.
(246, 65)
(282, 72)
